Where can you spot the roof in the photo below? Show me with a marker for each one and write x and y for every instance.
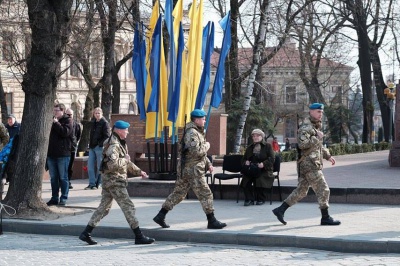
(287, 57)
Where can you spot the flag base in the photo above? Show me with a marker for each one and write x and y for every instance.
(162, 176)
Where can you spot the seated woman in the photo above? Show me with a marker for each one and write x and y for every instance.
(261, 154)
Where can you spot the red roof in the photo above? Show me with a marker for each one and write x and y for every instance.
(287, 57)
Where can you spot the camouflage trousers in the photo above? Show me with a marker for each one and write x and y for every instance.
(199, 186)
(121, 196)
(315, 180)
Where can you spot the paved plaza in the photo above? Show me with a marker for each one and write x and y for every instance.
(22, 249)
(252, 232)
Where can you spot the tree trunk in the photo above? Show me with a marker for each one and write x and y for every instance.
(108, 29)
(259, 50)
(364, 64)
(233, 88)
(116, 84)
(116, 91)
(3, 102)
(379, 88)
(49, 22)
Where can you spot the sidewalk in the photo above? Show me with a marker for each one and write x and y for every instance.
(365, 227)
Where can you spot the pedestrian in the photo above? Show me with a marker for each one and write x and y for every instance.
(191, 172)
(287, 145)
(12, 126)
(58, 155)
(309, 167)
(99, 132)
(275, 145)
(255, 183)
(75, 137)
(116, 164)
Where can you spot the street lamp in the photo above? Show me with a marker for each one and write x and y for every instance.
(390, 95)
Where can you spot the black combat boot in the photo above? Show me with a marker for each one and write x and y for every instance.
(141, 239)
(280, 212)
(213, 223)
(160, 218)
(86, 235)
(327, 219)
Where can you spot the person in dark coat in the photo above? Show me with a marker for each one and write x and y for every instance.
(75, 137)
(261, 154)
(58, 155)
(12, 126)
(99, 132)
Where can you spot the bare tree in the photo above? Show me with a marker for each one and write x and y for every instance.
(85, 50)
(49, 22)
(370, 20)
(316, 31)
(258, 51)
(3, 103)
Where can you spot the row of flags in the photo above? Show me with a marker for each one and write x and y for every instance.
(168, 92)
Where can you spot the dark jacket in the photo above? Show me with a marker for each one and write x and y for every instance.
(60, 138)
(267, 157)
(13, 130)
(99, 132)
(76, 135)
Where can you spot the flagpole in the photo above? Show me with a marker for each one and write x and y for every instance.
(156, 146)
(208, 118)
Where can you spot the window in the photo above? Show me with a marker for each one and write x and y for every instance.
(290, 94)
(95, 63)
(9, 102)
(130, 72)
(337, 94)
(28, 44)
(6, 46)
(290, 127)
(73, 70)
(336, 89)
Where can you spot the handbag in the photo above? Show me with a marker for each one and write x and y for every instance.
(251, 170)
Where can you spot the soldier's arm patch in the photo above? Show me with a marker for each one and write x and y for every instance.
(193, 143)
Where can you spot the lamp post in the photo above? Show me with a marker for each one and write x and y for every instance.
(390, 95)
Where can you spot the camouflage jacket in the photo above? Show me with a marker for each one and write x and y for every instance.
(195, 150)
(311, 147)
(115, 167)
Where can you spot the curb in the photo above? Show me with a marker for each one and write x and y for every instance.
(380, 196)
(211, 237)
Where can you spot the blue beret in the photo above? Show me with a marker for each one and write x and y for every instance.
(315, 106)
(121, 124)
(198, 113)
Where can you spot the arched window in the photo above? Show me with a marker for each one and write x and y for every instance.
(95, 63)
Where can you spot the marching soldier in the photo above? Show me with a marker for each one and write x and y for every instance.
(193, 164)
(309, 167)
(115, 165)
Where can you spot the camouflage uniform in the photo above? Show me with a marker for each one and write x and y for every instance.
(4, 137)
(310, 165)
(114, 172)
(195, 166)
